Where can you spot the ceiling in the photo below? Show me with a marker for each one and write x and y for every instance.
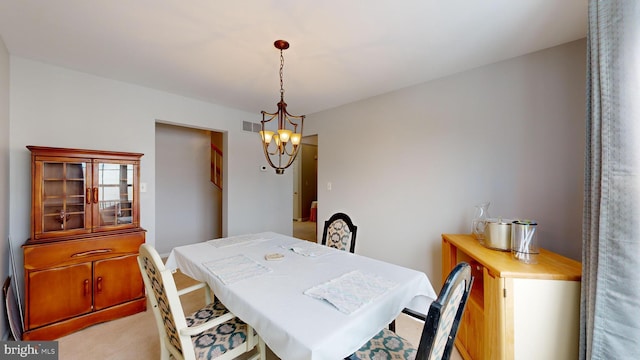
(221, 51)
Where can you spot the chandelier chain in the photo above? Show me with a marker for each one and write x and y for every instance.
(281, 72)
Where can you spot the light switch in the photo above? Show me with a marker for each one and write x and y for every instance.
(143, 187)
(329, 186)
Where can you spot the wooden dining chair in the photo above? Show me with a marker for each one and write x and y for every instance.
(339, 232)
(440, 327)
(211, 332)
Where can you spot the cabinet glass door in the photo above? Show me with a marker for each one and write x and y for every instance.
(115, 197)
(63, 195)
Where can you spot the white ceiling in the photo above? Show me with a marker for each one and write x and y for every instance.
(222, 51)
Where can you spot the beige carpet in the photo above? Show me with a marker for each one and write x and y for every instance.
(305, 230)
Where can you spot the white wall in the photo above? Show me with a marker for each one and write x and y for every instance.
(188, 205)
(407, 166)
(410, 165)
(4, 173)
(52, 106)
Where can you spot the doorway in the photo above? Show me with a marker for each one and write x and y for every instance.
(305, 185)
(188, 202)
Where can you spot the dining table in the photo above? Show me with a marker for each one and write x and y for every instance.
(305, 300)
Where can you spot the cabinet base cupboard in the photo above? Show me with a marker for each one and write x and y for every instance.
(73, 284)
(80, 263)
(516, 310)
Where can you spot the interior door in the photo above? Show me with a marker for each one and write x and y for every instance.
(297, 178)
(309, 179)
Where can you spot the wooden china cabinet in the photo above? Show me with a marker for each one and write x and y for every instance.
(80, 262)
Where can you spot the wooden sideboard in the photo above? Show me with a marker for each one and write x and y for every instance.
(516, 310)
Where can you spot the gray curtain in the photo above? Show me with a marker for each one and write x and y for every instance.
(610, 305)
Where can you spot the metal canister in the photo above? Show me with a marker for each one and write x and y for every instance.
(498, 234)
(524, 242)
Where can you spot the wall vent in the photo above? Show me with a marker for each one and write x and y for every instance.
(252, 127)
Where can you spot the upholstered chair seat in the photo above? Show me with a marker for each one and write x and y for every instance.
(386, 345)
(215, 342)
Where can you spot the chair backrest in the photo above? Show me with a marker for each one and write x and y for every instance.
(443, 318)
(339, 232)
(164, 300)
(11, 307)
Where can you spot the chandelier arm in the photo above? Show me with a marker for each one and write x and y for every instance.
(275, 150)
(294, 150)
(292, 158)
(266, 155)
(280, 168)
(295, 125)
(288, 118)
(300, 117)
(272, 116)
(284, 149)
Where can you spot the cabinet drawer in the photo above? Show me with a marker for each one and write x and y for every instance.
(82, 250)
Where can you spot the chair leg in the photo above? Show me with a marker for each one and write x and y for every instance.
(261, 352)
(263, 349)
(392, 326)
(207, 296)
(164, 353)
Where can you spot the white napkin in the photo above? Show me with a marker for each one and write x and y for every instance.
(235, 268)
(235, 240)
(351, 291)
(308, 249)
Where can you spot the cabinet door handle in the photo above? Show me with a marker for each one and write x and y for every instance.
(86, 287)
(88, 195)
(99, 284)
(95, 195)
(92, 252)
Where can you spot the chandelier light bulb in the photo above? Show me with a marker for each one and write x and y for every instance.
(284, 134)
(266, 136)
(296, 138)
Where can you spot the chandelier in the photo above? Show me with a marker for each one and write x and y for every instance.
(282, 145)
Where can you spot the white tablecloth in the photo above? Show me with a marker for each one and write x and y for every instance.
(294, 325)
